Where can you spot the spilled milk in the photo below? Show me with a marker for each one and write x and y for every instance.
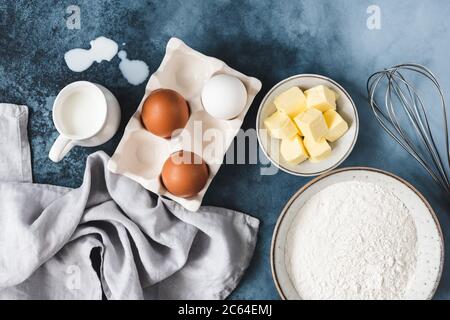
(102, 48)
(135, 71)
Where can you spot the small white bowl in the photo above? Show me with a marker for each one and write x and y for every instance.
(340, 148)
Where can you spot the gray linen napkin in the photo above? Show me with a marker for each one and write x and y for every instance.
(149, 247)
(15, 164)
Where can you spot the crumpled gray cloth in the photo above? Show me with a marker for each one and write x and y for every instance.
(15, 164)
(149, 247)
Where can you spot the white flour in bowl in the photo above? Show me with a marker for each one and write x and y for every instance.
(352, 240)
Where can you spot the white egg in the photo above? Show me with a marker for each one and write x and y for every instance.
(224, 96)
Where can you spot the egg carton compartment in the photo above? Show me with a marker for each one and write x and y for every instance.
(186, 79)
(140, 154)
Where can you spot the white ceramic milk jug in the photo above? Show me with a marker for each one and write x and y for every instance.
(85, 114)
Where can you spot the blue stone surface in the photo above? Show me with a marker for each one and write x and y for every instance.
(270, 40)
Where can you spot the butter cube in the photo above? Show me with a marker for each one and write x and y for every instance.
(293, 150)
(318, 150)
(291, 102)
(312, 124)
(321, 98)
(336, 125)
(280, 126)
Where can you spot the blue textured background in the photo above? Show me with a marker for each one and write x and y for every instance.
(270, 40)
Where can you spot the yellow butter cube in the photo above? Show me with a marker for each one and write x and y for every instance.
(318, 150)
(293, 150)
(321, 98)
(300, 133)
(336, 125)
(311, 123)
(291, 102)
(280, 126)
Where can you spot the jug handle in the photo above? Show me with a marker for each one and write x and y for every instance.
(60, 148)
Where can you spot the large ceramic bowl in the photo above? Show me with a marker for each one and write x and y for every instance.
(340, 148)
(430, 243)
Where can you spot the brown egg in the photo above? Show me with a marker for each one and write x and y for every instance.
(164, 111)
(184, 174)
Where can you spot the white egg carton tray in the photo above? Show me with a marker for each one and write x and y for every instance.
(140, 154)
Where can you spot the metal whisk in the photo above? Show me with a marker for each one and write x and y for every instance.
(405, 117)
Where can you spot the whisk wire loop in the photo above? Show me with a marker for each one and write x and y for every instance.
(406, 117)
